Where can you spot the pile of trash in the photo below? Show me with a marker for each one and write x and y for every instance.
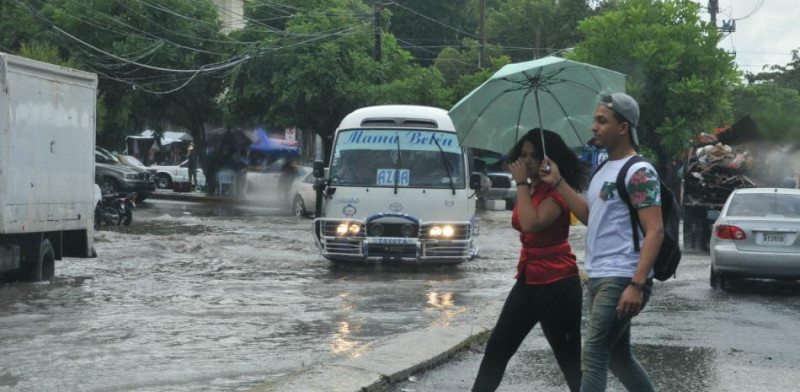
(716, 169)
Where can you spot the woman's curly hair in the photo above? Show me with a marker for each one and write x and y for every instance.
(574, 172)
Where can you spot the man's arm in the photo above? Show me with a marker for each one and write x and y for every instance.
(630, 304)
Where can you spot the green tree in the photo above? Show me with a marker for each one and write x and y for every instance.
(460, 78)
(325, 68)
(781, 75)
(143, 54)
(529, 29)
(775, 109)
(673, 66)
(424, 28)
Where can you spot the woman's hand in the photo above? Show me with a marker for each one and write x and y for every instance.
(518, 171)
(553, 175)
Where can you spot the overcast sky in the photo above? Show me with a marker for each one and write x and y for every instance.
(766, 31)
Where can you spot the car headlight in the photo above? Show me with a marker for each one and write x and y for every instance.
(131, 176)
(448, 231)
(348, 228)
(441, 231)
(407, 230)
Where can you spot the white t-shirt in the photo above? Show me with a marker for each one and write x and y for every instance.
(609, 237)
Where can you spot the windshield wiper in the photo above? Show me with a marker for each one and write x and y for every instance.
(446, 164)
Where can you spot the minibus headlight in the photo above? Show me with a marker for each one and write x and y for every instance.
(355, 228)
(435, 231)
(448, 231)
(407, 230)
(341, 229)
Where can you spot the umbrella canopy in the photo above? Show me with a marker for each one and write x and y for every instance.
(550, 93)
(268, 146)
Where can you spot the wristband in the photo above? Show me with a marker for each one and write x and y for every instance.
(560, 180)
(523, 183)
(639, 286)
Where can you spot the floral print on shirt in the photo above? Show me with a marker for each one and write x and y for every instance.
(644, 189)
(608, 191)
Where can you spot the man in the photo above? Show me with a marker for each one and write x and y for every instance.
(192, 166)
(620, 279)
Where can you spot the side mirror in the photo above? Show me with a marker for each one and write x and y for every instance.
(319, 169)
(475, 181)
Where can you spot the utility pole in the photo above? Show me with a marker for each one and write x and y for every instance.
(482, 55)
(713, 9)
(378, 31)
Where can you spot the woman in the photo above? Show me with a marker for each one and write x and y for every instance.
(548, 287)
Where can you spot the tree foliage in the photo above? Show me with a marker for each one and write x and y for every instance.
(673, 66)
(139, 50)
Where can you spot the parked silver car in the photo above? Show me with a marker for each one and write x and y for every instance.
(503, 188)
(757, 235)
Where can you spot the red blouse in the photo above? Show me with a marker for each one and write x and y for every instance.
(546, 257)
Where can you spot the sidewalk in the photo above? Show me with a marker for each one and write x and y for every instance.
(393, 359)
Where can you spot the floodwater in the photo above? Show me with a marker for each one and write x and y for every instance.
(203, 297)
(688, 338)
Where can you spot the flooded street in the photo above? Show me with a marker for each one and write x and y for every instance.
(200, 297)
(204, 297)
(688, 338)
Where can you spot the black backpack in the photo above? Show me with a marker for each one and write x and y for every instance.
(670, 253)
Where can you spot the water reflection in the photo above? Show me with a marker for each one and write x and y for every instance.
(437, 301)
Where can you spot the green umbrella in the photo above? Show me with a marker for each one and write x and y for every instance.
(550, 93)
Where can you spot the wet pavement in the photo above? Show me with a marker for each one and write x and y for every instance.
(689, 338)
(224, 297)
(220, 297)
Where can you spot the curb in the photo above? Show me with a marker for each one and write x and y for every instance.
(389, 361)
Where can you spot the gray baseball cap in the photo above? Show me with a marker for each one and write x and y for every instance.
(624, 105)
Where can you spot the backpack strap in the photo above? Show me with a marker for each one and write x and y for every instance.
(597, 169)
(622, 189)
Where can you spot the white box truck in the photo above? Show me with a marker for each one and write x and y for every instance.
(47, 133)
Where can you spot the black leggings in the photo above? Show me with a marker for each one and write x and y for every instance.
(558, 307)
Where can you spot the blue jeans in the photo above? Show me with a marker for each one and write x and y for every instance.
(608, 339)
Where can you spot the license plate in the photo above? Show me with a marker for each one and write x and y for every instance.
(772, 238)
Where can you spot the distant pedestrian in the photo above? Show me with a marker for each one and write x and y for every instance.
(191, 163)
(620, 279)
(548, 287)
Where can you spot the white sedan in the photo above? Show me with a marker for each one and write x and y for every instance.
(302, 195)
(166, 175)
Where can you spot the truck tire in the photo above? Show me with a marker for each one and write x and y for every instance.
(696, 231)
(40, 263)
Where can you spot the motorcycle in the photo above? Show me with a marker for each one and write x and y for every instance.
(114, 209)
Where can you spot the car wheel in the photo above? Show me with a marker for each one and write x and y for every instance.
(109, 186)
(127, 216)
(718, 281)
(299, 207)
(163, 181)
(724, 282)
(713, 279)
